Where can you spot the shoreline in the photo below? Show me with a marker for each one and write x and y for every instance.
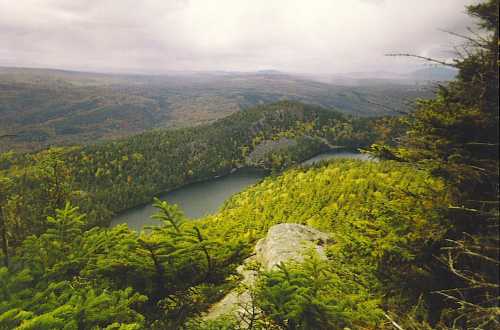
(232, 171)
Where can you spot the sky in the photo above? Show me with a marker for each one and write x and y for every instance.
(157, 36)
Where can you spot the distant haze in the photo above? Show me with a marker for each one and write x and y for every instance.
(157, 36)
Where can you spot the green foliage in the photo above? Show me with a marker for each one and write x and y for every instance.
(111, 177)
(330, 195)
(43, 288)
(113, 278)
(169, 215)
(62, 306)
(387, 220)
(384, 218)
(313, 295)
(46, 107)
(455, 137)
(221, 323)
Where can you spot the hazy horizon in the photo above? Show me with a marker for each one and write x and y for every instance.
(160, 37)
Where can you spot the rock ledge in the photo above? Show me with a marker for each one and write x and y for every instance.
(289, 242)
(283, 242)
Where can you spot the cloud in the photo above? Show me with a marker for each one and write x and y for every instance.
(377, 2)
(317, 36)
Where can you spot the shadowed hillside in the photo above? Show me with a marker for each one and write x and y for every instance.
(44, 107)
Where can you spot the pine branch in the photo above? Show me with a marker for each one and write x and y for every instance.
(397, 326)
(470, 39)
(429, 59)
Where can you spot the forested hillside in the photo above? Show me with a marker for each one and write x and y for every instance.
(50, 107)
(110, 177)
(383, 216)
(384, 219)
(414, 233)
(455, 136)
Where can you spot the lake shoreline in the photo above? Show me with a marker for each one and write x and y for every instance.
(164, 192)
(235, 170)
(242, 177)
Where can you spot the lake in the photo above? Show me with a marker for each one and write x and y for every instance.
(202, 198)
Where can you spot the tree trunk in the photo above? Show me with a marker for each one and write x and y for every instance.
(5, 246)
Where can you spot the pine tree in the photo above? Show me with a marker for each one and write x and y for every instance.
(455, 136)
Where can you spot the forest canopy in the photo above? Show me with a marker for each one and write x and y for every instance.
(415, 233)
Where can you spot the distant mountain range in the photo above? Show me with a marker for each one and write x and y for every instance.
(43, 106)
(434, 73)
(420, 76)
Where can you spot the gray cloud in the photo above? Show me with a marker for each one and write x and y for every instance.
(318, 36)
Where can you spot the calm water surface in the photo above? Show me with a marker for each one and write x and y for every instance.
(200, 199)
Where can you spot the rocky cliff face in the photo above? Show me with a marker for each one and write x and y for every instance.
(284, 242)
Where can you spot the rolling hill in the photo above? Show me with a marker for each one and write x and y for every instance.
(41, 107)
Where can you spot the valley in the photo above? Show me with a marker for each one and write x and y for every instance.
(362, 195)
(207, 197)
(41, 107)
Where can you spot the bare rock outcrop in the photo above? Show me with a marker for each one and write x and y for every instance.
(289, 242)
(283, 242)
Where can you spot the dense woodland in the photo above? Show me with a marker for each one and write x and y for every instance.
(110, 177)
(415, 233)
(41, 107)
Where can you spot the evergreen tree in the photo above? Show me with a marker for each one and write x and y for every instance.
(455, 136)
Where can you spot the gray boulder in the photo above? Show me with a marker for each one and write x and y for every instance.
(288, 242)
(283, 242)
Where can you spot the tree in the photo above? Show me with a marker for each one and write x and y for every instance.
(5, 183)
(455, 136)
(311, 296)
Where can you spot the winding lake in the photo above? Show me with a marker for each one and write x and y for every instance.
(202, 198)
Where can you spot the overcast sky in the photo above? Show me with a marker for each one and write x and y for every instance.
(155, 36)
